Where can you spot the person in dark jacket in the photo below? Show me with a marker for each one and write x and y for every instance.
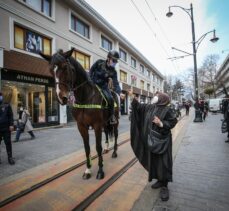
(100, 73)
(225, 111)
(6, 127)
(162, 118)
(187, 108)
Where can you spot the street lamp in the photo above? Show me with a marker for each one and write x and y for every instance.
(195, 45)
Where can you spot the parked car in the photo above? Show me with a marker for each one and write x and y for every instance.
(215, 105)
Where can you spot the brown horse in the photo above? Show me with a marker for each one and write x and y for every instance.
(72, 82)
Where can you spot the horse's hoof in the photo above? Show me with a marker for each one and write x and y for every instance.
(114, 155)
(86, 176)
(100, 175)
(105, 151)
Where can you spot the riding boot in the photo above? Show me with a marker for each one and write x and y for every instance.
(112, 116)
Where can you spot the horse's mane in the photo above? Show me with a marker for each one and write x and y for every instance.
(78, 68)
(59, 58)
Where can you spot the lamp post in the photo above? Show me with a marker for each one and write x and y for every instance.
(195, 45)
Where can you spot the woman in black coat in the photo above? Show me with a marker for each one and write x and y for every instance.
(160, 117)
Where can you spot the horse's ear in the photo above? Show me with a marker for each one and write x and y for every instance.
(46, 57)
(68, 54)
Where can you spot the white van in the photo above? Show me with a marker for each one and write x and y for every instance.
(215, 104)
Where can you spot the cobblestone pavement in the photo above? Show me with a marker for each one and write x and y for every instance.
(49, 144)
(201, 172)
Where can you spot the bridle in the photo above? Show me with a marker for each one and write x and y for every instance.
(70, 87)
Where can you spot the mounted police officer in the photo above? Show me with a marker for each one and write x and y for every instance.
(100, 73)
(6, 127)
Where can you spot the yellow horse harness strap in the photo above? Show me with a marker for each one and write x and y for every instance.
(94, 105)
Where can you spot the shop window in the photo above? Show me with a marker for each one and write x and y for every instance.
(141, 84)
(19, 38)
(30, 41)
(133, 80)
(43, 6)
(123, 55)
(141, 69)
(80, 26)
(33, 97)
(52, 105)
(105, 43)
(148, 87)
(123, 76)
(133, 62)
(83, 59)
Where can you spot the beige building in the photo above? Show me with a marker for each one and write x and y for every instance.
(222, 77)
(30, 26)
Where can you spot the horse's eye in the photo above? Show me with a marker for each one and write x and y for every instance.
(64, 65)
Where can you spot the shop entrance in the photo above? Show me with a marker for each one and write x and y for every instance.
(36, 93)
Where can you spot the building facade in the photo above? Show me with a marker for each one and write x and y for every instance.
(28, 27)
(222, 79)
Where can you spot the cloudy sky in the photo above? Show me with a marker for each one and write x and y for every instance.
(145, 25)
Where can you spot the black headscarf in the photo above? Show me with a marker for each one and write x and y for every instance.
(163, 99)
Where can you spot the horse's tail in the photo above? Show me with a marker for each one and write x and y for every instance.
(110, 129)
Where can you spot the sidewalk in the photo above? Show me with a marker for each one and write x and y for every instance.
(201, 171)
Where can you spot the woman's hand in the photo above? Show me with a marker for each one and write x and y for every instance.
(11, 128)
(157, 121)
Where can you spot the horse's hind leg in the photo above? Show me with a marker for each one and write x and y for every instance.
(114, 154)
(84, 133)
(98, 135)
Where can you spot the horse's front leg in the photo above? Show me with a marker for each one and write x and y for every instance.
(98, 135)
(106, 148)
(114, 154)
(84, 133)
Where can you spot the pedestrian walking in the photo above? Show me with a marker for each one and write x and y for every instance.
(6, 127)
(206, 109)
(177, 110)
(157, 119)
(225, 111)
(24, 125)
(187, 108)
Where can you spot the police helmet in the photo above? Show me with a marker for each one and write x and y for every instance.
(113, 55)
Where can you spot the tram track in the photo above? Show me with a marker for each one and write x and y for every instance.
(91, 198)
(83, 204)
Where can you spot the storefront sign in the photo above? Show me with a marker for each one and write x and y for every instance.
(26, 78)
(33, 79)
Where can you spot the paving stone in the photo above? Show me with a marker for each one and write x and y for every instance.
(200, 171)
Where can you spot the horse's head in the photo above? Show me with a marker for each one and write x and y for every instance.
(61, 70)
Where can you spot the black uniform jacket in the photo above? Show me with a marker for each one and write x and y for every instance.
(100, 74)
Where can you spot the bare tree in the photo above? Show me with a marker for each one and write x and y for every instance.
(207, 73)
